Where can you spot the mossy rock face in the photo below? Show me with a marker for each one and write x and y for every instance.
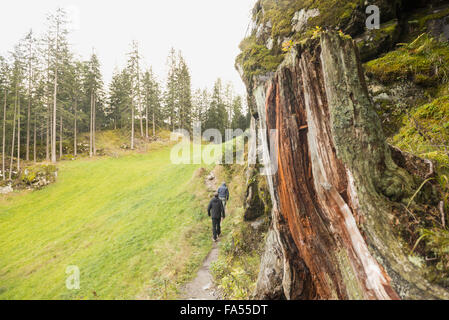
(375, 42)
(393, 101)
(432, 20)
(275, 23)
(425, 61)
(426, 129)
(258, 201)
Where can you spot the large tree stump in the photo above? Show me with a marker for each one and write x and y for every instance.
(336, 187)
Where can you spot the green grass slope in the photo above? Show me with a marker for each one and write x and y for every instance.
(135, 226)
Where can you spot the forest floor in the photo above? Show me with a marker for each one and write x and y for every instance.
(136, 226)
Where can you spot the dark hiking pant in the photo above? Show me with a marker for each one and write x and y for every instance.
(216, 230)
(223, 201)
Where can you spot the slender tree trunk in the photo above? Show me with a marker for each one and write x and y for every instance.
(60, 137)
(146, 117)
(141, 122)
(48, 115)
(55, 96)
(4, 137)
(132, 127)
(18, 134)
(75, 146)
(42, 133)
(27, 157)
(47, 128)
(94, 128)
(13, 139)
(35, 138)
(139, 102)
(154, 125)
(30, 70)
(91, 127)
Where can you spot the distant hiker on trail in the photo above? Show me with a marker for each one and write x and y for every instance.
(217, 212)
(223, 194)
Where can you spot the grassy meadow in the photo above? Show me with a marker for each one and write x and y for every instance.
(135, 225)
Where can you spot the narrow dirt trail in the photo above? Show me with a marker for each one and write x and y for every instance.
(202, 287)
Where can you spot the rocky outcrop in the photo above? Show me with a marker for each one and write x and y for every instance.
(38, 176)
(336, 185)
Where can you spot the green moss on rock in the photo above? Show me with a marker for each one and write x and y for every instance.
(377, 41)
(424, 61)
(425, 131)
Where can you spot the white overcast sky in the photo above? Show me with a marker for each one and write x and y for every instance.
(207, 31)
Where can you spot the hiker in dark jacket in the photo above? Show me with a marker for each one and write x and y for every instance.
(223, 194)
(217, 213)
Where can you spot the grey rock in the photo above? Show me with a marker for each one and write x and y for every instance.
(301, 18)
(6, 190)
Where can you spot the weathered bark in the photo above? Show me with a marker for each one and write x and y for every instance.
(336, 185)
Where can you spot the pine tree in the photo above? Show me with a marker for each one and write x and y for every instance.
(30, 43)
(171, 93)
(58, 47)
(93, 86)
(184, 91)
(216, 115)
(152, 101)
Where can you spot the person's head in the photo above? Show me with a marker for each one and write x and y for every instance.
(224, 183)
(216, 194)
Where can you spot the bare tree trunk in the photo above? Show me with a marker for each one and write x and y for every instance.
(132, 127)
(18, 135)
(35, 138)
(55, 97)
(47, 128)
(48, 116)
(60, 137)
(75, 146)
(30, 70)
(4, 137)
(13, 139)
(91, 127)
(94, 127)
(27, 157)
(146, 117)
(139, 102)
(336, 186)
(154, 126)
(141, 123)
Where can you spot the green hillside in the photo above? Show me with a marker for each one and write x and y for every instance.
(133, 225)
